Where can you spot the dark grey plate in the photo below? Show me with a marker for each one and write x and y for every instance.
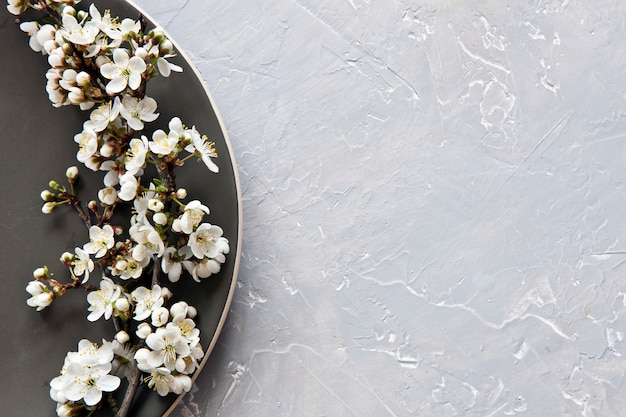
(37, 145)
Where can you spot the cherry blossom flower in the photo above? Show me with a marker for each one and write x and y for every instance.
(82, 264)
(87, 144)
(31, 29)
(129, 28)
(162, 381)
(128, 267)
(90, 354)
(207, 267)
(166, 345)
(101, 301)
(135, 157)
(88, 382)
(146, 301)
(128, 187)
(100, 240)
(41, 296)
(103, 115)
(162, 143)
(17, 7)
(192, 216)
(160, 316)
(108, 195)
(204, 148)
(77, 33)
(123, 71)
(136, 111)
(105, 23)
(207, 241)
(172, 261)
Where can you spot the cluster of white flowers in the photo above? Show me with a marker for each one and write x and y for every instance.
(173, 345)
(102, 65)
(84, 377)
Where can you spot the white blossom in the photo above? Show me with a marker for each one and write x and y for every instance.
(77, 33)
(128, 187)
(17, 7)
(41, 296)
(162, 143)
(166, 344)
(123, 71)
(88, 383)
(101, 301)
(135, 157)
(87, 144)
(137, 111)
(143, 330)
(103, 115)
(160, 316)
(108, 195)
(146, 301)
(192, 216)
(207, 241)
(82, 264)
(100, 240)
(204, 148)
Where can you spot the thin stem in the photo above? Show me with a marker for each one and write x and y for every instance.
(133, 384)
(156, 270)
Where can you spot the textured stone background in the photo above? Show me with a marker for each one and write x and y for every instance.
(433, 205)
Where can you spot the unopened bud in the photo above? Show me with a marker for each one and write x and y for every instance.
(56, 186)
(181, 193)
(83, 79)
(47, 195)
(143, 330)
(106, 150)
(121, 304)
(72, 174)
(160, 219)
(92, 205)
(122, 337)
(48, 207)
(166, 293)
(40, 273)
(67, 258)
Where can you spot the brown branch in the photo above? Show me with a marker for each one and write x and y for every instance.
(133, 384)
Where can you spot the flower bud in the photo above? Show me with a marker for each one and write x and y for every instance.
(122, 337)
(67, 258)
(106, 150)
(48, 207)
(179, 308)
(143, 330)
(40, 273)
(181, 193)
(166, 293)
(155, 205)
(47, 195)
(160, 316)
(72, 174)
(92, 205)
(141, 53)
(83, 79)
(160, 219)
(56, 186)
(192, 312)
(121, 304)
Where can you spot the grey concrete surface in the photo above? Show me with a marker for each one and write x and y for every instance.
(433, 205)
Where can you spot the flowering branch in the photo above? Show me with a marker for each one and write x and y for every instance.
(103, 65)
